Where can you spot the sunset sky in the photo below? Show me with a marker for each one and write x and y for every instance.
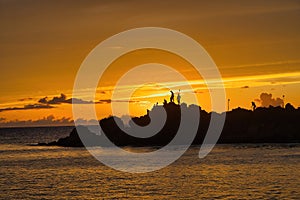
(255, 44)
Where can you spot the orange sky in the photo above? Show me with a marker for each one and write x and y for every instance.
(255, 45)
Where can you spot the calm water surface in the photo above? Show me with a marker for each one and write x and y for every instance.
(229, 172)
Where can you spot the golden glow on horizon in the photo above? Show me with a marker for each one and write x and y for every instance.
(256, 49)
(148, 93)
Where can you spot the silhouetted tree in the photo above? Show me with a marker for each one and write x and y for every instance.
(289, 107)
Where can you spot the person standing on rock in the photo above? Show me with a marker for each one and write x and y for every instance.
(253, 105)
(172, 96)
(178, 98)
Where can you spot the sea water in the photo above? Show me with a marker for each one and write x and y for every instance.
(244, 171)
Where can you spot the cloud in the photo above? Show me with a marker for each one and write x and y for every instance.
(279, 63)
(45, 103)
(27, 107)
(43, 100)
(77, 101)
(266, 100)
(198, 92)
(81, 121)
(245, 87)
(25, 99)
(63, 99)
(106, 101)
(54, 100)
(257, 100)
(46, 121)
(101, 92)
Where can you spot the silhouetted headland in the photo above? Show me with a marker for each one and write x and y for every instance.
(263, 125)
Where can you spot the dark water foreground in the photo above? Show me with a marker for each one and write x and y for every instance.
(255, 171)
(229, 172)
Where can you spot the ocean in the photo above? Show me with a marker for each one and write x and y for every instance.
(232, 171)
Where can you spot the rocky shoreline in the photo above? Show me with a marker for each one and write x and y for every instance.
(263, 125)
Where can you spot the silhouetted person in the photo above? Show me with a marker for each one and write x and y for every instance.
(172, 96)
(253, 105)
(165, 102)
(178, 97)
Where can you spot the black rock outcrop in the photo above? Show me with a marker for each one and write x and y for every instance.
(263, 125)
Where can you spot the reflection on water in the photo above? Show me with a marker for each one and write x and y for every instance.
(228, 172)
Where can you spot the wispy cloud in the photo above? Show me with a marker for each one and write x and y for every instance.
(63, 99)
(153, 90)
(45, 103)
(28, 107)
(25, 99)
(46, 121)
(278, 63)
(199, 86)
(245, 87)
(50, 120)
(106, 101)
